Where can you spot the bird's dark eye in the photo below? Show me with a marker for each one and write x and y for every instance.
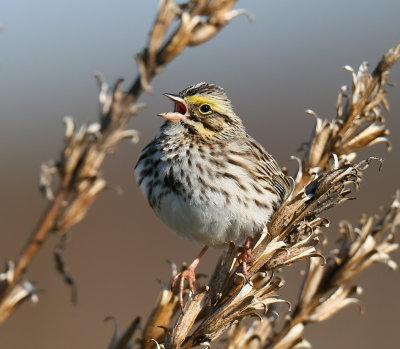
(205, 109)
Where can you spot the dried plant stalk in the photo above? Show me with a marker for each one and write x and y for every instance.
(327, 288)
(292, 235)
(86, 147)
(358, 122)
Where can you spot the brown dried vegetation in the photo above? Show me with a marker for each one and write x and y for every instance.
(324, 179)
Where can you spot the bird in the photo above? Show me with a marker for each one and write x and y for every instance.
(206, 178)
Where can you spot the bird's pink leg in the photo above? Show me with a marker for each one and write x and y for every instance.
(244, 254)
(190, 275)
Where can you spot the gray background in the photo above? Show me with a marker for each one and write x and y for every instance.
(288, 60)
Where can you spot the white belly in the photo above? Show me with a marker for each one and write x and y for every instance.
(211, 225)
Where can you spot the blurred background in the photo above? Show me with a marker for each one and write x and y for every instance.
(288, 60)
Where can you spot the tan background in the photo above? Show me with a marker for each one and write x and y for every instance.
(288, 60)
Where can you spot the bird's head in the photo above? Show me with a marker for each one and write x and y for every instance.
(205, 110)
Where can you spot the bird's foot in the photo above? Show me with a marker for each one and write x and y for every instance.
(189, 275)
(244, 255)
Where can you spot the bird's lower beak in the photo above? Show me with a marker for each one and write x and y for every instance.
(172, 116)
(181, 111)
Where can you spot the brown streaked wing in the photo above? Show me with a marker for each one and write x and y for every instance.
(266, 169)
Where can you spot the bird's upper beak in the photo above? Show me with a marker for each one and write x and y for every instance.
(181, 110)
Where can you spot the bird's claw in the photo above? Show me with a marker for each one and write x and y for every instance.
(243, 257)
(189, 275)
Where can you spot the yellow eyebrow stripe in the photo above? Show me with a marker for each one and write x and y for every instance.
(214, 102)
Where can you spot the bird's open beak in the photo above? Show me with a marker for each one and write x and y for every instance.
(181, 111)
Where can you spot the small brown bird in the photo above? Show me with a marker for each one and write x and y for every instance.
(206, 178)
